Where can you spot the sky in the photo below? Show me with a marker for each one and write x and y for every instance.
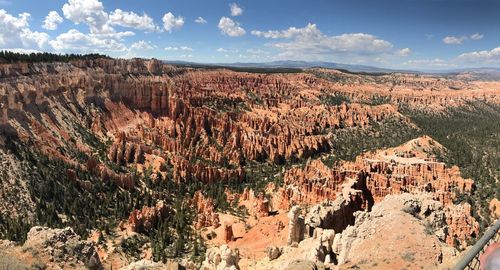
(407, 34)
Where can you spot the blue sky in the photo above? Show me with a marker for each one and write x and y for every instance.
(416, 34)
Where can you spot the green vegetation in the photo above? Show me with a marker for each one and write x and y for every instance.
(13, 57)
(471, 135)
(132, 246)
(260, 70)
(97, 205)
(408, 256)
(101, 204)
(334, 99)
(350, 142)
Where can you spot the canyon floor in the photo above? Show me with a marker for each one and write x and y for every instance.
(136, 164)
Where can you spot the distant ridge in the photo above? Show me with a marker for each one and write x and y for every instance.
(291, 64)
(296, 65)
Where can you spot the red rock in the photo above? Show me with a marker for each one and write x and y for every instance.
(144, 220)
(206, 215)
(228, 233)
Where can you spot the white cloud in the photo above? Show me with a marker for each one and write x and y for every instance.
(132, 20)
(403, 52)
(15, 32)
(235, 9)
(186, 56)
(230, 27)
(52, 21)
(481, 58)
(114, 35)
(74, 40)
(90, 12)
(477, 36)
(221, 50)
(200, 20)
(181, 48)
(186, 48)
(170, 22)
(311, 44)
(308, 31)
(142, 45)
(451, 40)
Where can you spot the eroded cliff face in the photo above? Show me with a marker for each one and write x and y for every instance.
(117, 118)
(409, 168)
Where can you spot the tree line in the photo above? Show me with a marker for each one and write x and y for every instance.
(13, 57)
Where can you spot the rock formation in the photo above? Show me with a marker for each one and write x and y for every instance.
(221, 258)
(419, 213)
(215, 127)
(228, 233)
(143, 220)
(462, 227)
(62, 247)
(273, 252)
(206, 215)
(304, 265)
(374, 176)
(296, 226)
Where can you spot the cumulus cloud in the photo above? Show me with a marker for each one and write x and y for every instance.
(235, 9)
(310, 43)
(52, 20)
(308, 31)
(102, 35)
(230, 27)
(451, 40)
(404, 52)
(142, 45)
(171, 22)
(181, 48)
(221, 50)
(491, 57)
(132, 20)
(15, 32)
(90, 12)
(200, 20)
(476, 36)
(74, 40)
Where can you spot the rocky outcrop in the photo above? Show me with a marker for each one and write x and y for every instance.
(415, 216)
(296, 226)
(152, 265)
(63, 247)
(228, 233)
(144, 220)
(336, 215)
(221, 258)
(273, 252)
(205, 214)
(123, 152)
(261, 206)
(462, 226)
(304, 265)
(373, 176)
